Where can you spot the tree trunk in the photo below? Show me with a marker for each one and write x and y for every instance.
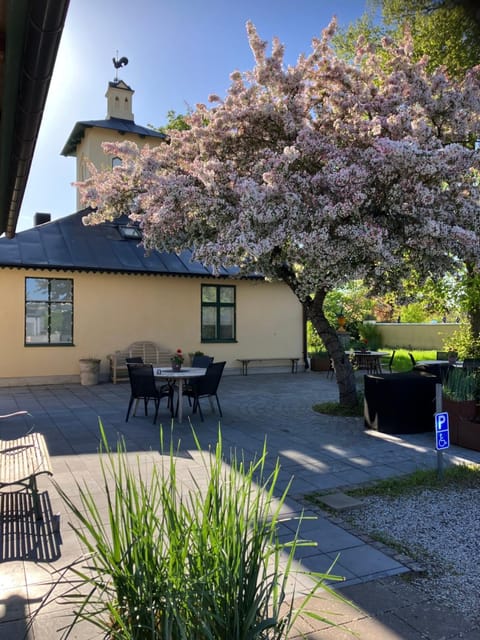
(347, 390)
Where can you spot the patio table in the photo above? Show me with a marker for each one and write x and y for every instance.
(186, 373)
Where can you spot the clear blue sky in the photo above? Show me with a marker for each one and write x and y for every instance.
(179, 52)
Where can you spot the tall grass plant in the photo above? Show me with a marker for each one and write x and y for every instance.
(168, 564)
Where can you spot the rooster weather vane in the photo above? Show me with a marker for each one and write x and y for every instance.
(118, 63)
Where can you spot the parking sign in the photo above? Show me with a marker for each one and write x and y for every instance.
(442, 434)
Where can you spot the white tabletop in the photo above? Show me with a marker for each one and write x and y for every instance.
(358, 352)
(457, 363)
(185, 372)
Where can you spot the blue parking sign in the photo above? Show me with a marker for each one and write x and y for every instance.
(442, 434)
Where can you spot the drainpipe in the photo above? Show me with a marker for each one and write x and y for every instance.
(304, 339)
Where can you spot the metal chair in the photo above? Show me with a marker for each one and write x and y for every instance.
(143, 387)
(201, 361)
(412, 359)
(205, 387)
(390, 361)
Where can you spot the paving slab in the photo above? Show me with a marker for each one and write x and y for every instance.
(319, 452)
(340, 501)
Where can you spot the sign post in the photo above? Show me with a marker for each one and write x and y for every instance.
(442, 433)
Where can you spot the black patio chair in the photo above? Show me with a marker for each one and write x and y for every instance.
(412, 359)
(134, 360)
(205, 387)
(143, 387)
(201, 361)
(390, 361)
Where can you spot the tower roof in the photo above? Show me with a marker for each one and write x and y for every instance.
(115, 124)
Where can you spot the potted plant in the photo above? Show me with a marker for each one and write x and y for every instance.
(460, 397)
(89, 371)
(177, 360)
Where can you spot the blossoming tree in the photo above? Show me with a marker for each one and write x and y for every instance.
(313, 174)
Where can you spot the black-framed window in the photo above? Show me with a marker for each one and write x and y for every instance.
(218, 313)
(48, 311)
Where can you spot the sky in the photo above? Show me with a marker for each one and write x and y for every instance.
(179, 52)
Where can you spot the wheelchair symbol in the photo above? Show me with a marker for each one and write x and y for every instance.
(442, 442)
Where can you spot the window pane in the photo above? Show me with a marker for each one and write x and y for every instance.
(209, 323)
(226, 323)
(61, 290)
(209, 294)
(61, 323)
(36, 322)
(227, 295)
(37, 288)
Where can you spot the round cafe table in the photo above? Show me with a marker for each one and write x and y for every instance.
(165, 373)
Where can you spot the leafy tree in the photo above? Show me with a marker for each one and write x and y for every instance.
(175, 122)
(442, 30)
(448, 33)
(314, 175)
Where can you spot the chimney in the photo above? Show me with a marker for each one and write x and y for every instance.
(41, 218)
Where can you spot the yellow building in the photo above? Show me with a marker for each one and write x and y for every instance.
(71, 292)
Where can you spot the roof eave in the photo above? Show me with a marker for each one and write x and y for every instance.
(33, 32)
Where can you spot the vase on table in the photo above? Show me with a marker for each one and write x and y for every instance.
(176, 366)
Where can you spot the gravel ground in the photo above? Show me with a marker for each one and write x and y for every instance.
(441, 530)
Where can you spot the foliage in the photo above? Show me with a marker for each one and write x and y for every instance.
(204, 564)
(314, 174)
(461, 385)
(371, 333)
(175, 122)
(463, 342)
(314, 342)
(443, 31)
(352, 299)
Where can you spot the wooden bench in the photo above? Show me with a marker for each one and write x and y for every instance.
(21, 461)
(150, 352)
(246, 361)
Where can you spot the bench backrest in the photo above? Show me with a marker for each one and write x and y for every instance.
(150, 352)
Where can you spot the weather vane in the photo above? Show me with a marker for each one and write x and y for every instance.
(118, 63)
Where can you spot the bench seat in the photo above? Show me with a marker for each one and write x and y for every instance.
(246, 361)
(150, 352)
(21, 461)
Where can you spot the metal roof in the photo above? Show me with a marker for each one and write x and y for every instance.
(67, 244)
(116, 124)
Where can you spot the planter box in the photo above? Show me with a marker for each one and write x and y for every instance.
(469, 435)
(320, 363)
(464, 430)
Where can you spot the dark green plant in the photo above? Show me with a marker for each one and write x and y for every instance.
(461, 385)
(201, 564)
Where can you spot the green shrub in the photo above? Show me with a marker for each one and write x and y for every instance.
(463, 343)
(370, 333)
(205, 564)
(460, 385)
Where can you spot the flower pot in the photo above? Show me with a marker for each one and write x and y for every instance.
(89, 371)
(176, 366)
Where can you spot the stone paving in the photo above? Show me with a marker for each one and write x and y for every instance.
(320, 453)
